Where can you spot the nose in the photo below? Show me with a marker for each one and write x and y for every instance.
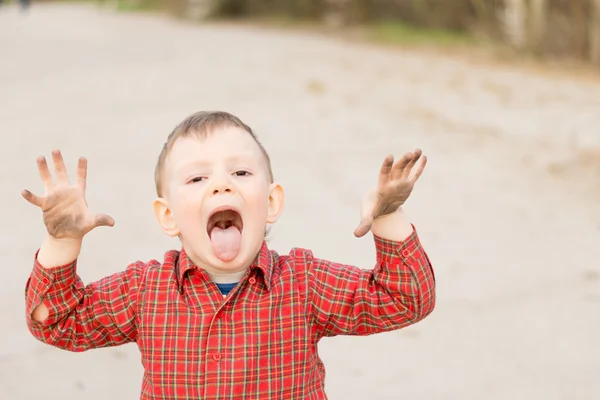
(221, 184)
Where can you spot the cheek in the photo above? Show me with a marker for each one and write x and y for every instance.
(257, 204)
(259, 200)
(187, 209)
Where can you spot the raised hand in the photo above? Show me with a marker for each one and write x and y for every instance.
(64, 207)
(396, 182)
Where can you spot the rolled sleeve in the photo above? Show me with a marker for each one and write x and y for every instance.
(406, 250)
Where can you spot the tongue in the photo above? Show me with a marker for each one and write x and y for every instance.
(226, 242)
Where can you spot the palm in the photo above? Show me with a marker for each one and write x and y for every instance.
(396, 182)
(66, 214)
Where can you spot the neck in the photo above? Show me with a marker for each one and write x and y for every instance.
(226, 277)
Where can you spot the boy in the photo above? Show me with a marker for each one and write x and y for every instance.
(225, 317)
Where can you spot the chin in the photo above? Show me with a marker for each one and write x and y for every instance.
(242, 260)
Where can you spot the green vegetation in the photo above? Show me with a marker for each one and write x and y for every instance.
(395, 32)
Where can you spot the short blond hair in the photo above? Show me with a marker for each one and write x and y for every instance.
(203, 123)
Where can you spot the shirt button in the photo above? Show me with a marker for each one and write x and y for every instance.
(45, 281)
(252, 280)
(405, 253)
(216, 357)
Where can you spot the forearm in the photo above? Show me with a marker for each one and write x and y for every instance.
(394, 226)
(404, 271)
(53, 253)
(401, 289)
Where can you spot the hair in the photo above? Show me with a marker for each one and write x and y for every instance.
(202, 124)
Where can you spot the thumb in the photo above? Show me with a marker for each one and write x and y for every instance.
(366, 216)
(104, 220)
(363, 227)
(32, 198)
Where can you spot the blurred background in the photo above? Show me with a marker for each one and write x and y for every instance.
(502, 96)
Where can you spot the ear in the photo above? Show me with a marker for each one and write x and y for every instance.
(276, 201)
(165, 219)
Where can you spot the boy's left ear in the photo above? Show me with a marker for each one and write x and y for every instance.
(276, 201)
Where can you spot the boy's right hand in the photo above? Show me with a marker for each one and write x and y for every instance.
(66, 214)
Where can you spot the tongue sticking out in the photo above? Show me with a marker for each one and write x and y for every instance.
(226, 242)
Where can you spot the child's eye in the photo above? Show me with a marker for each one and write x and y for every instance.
(242, 173)
(197, 179)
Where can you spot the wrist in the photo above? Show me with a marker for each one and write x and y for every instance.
(394, 226)
(56, 252)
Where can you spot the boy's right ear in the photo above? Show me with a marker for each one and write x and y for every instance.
(165, 218)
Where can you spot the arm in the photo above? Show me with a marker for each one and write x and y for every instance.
(62, 312)
(398, 292)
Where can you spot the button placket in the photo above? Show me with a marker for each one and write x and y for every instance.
(213, 356)
(221, 316)
(216, 329)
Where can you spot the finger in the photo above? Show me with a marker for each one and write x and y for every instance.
(363, 227)
(103, 220)
(32, 198)
(416, 172)
(45, 173)
(407, 170)
(59, 167)
(386, 167)
(400, 166)
(82, 173)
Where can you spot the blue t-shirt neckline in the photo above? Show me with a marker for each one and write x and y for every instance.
(225, 288)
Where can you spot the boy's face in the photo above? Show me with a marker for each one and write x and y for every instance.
(218, 198)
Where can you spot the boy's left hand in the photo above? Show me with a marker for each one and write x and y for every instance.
(396, 182)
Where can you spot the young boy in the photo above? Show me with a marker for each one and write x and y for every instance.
(225, 317)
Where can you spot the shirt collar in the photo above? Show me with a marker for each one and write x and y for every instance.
(263, 262)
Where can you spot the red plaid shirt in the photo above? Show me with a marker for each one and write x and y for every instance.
(259, 342)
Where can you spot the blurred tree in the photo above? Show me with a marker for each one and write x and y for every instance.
(543, 27)
(594, 32)
(537, 20)
(515, 16)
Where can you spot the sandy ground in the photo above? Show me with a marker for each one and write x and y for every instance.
(508, 207)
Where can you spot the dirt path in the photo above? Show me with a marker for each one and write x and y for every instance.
(510, 216)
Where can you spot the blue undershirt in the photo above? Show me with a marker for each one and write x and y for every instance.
(225, 288)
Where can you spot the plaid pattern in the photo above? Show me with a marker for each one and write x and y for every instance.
(259, 342)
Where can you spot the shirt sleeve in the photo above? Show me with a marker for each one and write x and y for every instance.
(397, 292)
(80, 318)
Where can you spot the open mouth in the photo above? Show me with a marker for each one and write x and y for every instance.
(224, 218)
